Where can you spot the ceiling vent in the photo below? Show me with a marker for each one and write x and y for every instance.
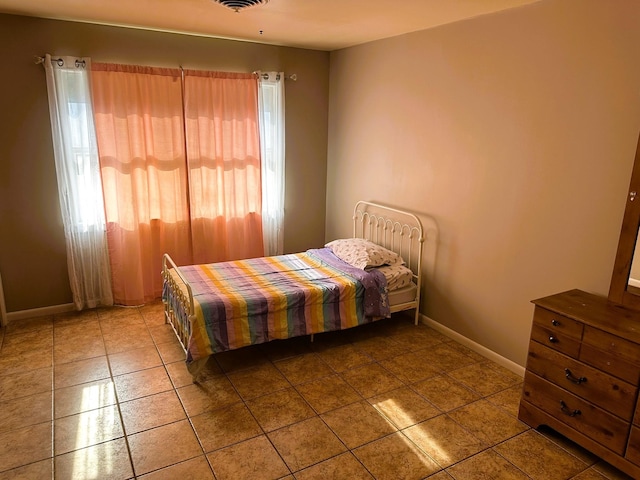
(238, 5)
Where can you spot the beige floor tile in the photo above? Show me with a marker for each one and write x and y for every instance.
(441, 475)
(115, 312)
(151, 411)
(163, 446)
(303, 368)
(241, 359)
(484, 380)
(24, 384)
(306, 443)
(358, 423)
(539, 457)
(258, 381)
(80, 331)
(69, 318)
(444, 440)
(84, 397)
(126, 338)
(194, 469)
(445, 392)
(87, 429)
(370, 380)
(162, 333)
(28, 324)
(254, 458)
(153, 313)
(487, 465)
(445, 357)
(24, 362)
(590, 474)
(343, 357)
(487, 422)
(466, 351)
(171, 352)
(105, 461)
(118, 323)
(568, 445)
(142, 383)
(206, 396)
(78, 349)
(225, 426)
(415, 338)
(410, 367)
(403, 407)
(33, 471)
(25, 445)
(82, 371)
(395, 458)
(134, 360)
(41, 340)
(328, 393)
(508, 400)
(179, 374)
(344, 466)
(25, 411)
(279, 409)
(380, 347)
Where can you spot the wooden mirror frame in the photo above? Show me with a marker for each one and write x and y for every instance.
(619, 290)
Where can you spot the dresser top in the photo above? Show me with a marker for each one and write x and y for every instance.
(596, 311)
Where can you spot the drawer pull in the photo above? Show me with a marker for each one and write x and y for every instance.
(566, 410)
(553, 339)
(555, 323)
(571, 378)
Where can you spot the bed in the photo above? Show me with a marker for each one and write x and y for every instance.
(349, 282)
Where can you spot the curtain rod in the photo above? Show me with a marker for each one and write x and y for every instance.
(59, 61)
(38, 60)
(265, 76)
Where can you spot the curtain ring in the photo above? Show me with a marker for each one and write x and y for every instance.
(60, 62)
(79, 63)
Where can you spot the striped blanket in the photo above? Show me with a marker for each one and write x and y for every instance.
(253, 301)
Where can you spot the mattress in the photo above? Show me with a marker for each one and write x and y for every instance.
(253, 301)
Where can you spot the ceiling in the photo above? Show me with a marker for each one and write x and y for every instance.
(313, 24)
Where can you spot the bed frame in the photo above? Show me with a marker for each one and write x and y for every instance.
(396, 230)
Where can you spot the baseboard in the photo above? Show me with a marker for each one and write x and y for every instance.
(39, 312)
(476, 347)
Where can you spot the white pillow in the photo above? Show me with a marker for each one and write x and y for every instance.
(362, 253)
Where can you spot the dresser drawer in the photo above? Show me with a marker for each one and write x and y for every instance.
(549, 336)
(558, 323)
(592, 421)
(599, 388)
(612, 354)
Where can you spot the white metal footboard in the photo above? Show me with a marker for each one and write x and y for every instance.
(177, 297)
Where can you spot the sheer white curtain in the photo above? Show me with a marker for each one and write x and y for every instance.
(78, 174)
(272, 150)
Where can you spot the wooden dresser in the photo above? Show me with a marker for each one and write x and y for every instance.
(582, 376)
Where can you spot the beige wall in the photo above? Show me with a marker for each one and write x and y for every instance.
(32, 249)
(517, 132)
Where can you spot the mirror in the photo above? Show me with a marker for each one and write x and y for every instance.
(625, 280)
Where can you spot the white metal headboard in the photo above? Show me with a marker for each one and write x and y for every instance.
(397, 230)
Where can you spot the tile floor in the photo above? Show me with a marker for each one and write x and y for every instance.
(105, 394)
